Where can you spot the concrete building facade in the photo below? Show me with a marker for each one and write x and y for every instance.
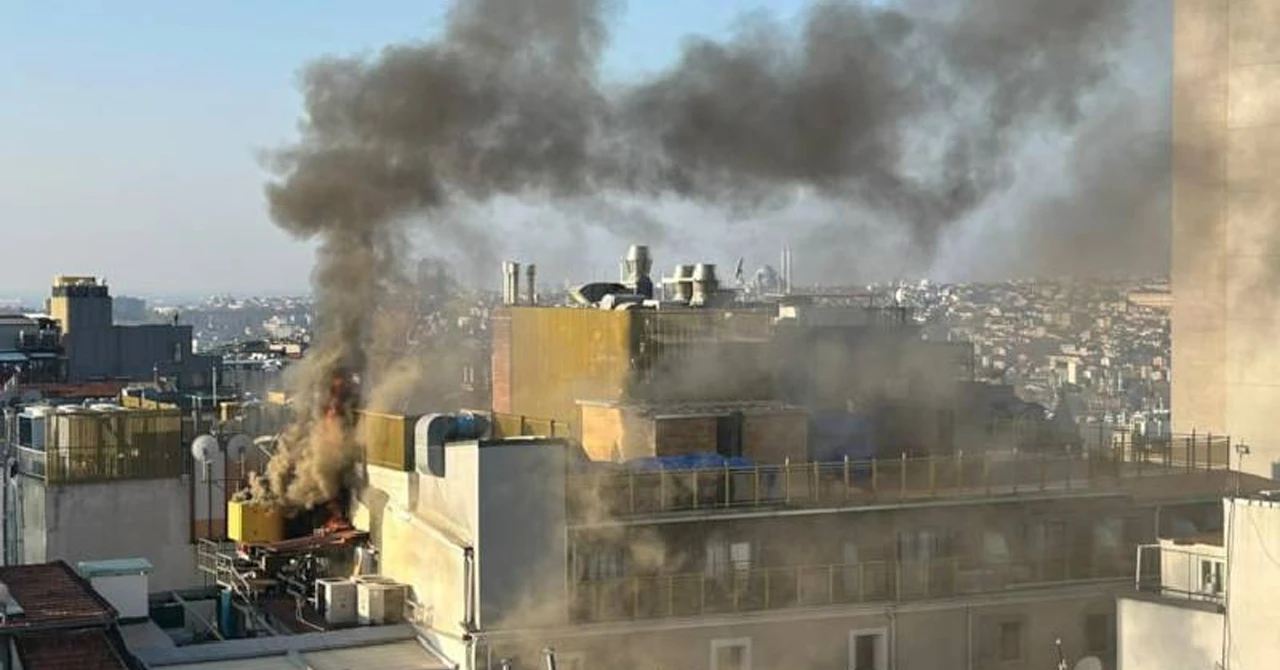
(99, 483)
(96, 348)
(1209, 603)
(1226, 222)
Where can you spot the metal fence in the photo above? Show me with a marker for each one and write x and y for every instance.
(1181, 573)
(67, 465)
(745, 590)
(625, 492)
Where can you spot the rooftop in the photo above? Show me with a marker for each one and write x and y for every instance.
(52, 597)
(78, 650)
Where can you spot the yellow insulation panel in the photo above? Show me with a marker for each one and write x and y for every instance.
(248, 523)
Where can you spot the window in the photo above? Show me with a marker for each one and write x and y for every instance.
(725, 556)
(1097, 633)
(731, 654)
(1211, 577)
(1010, 640)
(603, 564)
(868, 649)
(177, 352)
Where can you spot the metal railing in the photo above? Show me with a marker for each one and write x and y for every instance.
(615, 492)
(1175, 572)
(766, 588)
(69, 465)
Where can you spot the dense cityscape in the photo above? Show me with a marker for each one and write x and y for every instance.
(1038, 438)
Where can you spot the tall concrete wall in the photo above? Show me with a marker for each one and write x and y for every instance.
(1163, 635)
(940, 636)
(1226, 223)
(521, 552)
(1253, 582)
(123, 519)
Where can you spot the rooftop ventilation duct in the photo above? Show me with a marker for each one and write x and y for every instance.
(682, 284)
(705, 284)
(637, 269)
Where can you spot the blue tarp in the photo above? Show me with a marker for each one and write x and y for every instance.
(688, 462)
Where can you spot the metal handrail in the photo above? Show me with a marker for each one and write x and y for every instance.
(735, 589)
(64, 465)
(628, 492)
(1180, 576)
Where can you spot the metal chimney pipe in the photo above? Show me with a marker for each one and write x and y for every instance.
(511, 283)
(531, 288)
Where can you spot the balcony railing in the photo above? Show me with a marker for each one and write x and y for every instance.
(616, 492)
(1175, 572)
(70, 465)
(767, 588)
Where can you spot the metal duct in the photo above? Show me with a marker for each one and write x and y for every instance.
(705, 284)
(682, 284)
(510, 283)
(531, 286)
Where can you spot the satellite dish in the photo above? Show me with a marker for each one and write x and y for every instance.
(204, 447)
(1089, 663)
(237, 445)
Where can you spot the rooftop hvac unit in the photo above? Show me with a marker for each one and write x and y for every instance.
(337, 600)
(379, 601)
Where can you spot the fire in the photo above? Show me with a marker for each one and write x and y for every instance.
(337, 422)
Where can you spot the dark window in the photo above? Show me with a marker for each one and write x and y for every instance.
(729, 435)
(1010, 640)
(866, 652)
(1097, 633)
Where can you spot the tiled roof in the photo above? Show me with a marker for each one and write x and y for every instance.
(69, 650)
(52, 596)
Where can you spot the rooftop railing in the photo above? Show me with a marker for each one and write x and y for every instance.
(736, 590)
(1187, 574)
(72, 465)
(613, 492)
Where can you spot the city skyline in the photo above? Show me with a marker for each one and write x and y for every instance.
(187, 215)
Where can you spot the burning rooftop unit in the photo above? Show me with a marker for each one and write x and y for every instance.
(291, 546)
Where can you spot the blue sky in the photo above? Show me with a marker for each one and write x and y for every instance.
(128, 128)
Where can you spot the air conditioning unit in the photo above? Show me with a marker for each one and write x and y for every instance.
(337, 600)
(380, 600)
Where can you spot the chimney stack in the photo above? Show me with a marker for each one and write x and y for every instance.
(510, 283)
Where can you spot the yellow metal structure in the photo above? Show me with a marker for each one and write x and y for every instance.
(250, 523)
(388, 439)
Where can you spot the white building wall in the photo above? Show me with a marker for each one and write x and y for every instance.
(1160, 635)
(1253, 583)
(122, 519)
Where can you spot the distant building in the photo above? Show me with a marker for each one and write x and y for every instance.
(30, 350)
(128, 311)
(96, 348)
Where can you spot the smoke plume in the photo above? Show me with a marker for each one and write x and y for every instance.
(909, 115)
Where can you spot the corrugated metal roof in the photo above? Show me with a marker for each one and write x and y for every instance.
(52, 595)
(68, 650)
